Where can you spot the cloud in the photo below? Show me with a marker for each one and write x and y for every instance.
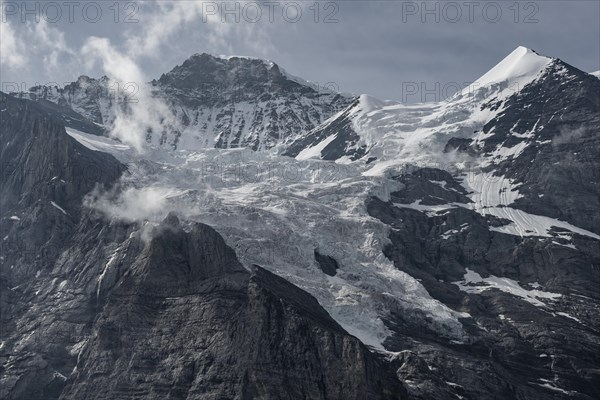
(133, 204)
(51, 41)
(44, 43)
(567, 136)
(201, 19)
(115, 63)
(142, 112)
(12, 52)
(167, 18)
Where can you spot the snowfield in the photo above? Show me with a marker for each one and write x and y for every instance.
(474, 283)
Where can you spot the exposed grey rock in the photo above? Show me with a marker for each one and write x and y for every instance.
(460, 144)
(513, 347)
(346, 141)
(328, 264)
(188, 321)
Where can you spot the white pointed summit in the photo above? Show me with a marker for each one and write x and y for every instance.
(520, 67)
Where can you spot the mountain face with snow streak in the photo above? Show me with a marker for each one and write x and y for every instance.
(381, 250)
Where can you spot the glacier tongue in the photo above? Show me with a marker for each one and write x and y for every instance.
(275, 212)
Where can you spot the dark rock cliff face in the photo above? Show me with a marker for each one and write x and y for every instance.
(125, 310)
(344, 143)
(45, 174)
(514, 349)
(188, 321)
(37, 152)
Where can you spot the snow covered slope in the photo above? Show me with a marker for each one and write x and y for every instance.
(399, 133)
(487, 126)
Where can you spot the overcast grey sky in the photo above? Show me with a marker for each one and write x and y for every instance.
(362, 46)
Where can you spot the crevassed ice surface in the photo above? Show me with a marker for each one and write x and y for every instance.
(275, 211)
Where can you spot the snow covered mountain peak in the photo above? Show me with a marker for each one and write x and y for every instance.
(266, 62)
(201, 70)
(231, 58)
(517, 69)
(86, 80)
